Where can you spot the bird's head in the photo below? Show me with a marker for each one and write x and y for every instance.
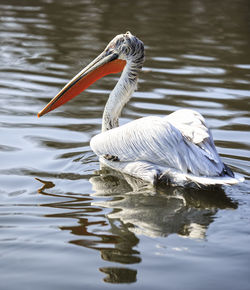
(127, 47)
(122, 49)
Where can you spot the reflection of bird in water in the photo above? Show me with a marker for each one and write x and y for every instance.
(177, 148)
(159, 212)
(93, 230)
(119, 275)
(124, 207)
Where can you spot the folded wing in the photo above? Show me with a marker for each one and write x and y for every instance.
(176, 141)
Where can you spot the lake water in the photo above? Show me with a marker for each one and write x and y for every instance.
(64, 224)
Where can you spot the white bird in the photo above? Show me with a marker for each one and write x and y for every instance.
(176, 149)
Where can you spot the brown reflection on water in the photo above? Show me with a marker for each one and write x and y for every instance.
(115, 244)
(122, 208)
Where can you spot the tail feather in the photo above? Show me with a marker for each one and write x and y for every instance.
(220, 180)
(180, 178)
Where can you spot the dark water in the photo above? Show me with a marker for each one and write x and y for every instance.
(66, 225)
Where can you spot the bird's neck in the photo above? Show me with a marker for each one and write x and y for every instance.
(118, 98)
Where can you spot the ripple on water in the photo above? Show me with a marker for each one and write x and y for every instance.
(59, 210)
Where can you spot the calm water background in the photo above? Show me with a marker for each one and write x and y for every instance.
(66, 225)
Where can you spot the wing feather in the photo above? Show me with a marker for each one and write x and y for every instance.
(193, 127)
(184, 145)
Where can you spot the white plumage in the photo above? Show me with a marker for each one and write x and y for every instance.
(169, 148)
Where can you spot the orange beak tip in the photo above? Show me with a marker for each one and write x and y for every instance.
(39, 114)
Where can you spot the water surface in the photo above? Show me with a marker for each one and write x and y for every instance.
(66, 224)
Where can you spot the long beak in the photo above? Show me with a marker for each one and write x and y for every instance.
(101, 66)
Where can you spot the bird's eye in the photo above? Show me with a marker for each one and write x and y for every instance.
(125, 50)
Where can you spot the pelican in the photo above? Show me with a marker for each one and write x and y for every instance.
(177, 149)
